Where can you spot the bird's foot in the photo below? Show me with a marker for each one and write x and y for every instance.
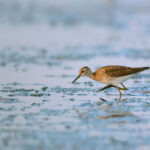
(124, 88)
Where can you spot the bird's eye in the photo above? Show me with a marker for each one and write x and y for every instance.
(82, 71)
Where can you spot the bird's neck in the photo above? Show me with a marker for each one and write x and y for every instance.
(91, 75)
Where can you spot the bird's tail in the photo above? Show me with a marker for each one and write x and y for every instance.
(141, 69)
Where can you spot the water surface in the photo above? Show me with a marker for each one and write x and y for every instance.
(43, 45)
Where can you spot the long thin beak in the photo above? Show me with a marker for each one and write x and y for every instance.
(76, 79)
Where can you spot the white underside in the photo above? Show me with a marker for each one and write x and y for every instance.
(119, 80)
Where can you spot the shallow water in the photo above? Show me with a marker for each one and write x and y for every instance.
(41, 52)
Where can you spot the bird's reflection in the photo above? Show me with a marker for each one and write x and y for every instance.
(113, 108)
(119, 99)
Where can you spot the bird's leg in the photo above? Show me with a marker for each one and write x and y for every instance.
(107, 87)
(119, 89)
(124, 88)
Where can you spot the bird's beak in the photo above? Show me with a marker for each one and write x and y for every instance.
(76, 79)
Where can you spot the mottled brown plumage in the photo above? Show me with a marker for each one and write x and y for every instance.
(118, 71)
(111, 75)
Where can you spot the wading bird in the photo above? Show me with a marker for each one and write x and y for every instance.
(111, 75)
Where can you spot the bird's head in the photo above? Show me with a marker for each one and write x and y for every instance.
(85, 71)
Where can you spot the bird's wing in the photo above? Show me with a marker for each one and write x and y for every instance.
(117, 71)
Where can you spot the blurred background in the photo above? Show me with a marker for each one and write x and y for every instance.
(43, 44)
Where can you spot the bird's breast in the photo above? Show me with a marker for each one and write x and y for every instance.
(102, 77)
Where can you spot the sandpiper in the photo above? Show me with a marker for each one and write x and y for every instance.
(111, 75)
